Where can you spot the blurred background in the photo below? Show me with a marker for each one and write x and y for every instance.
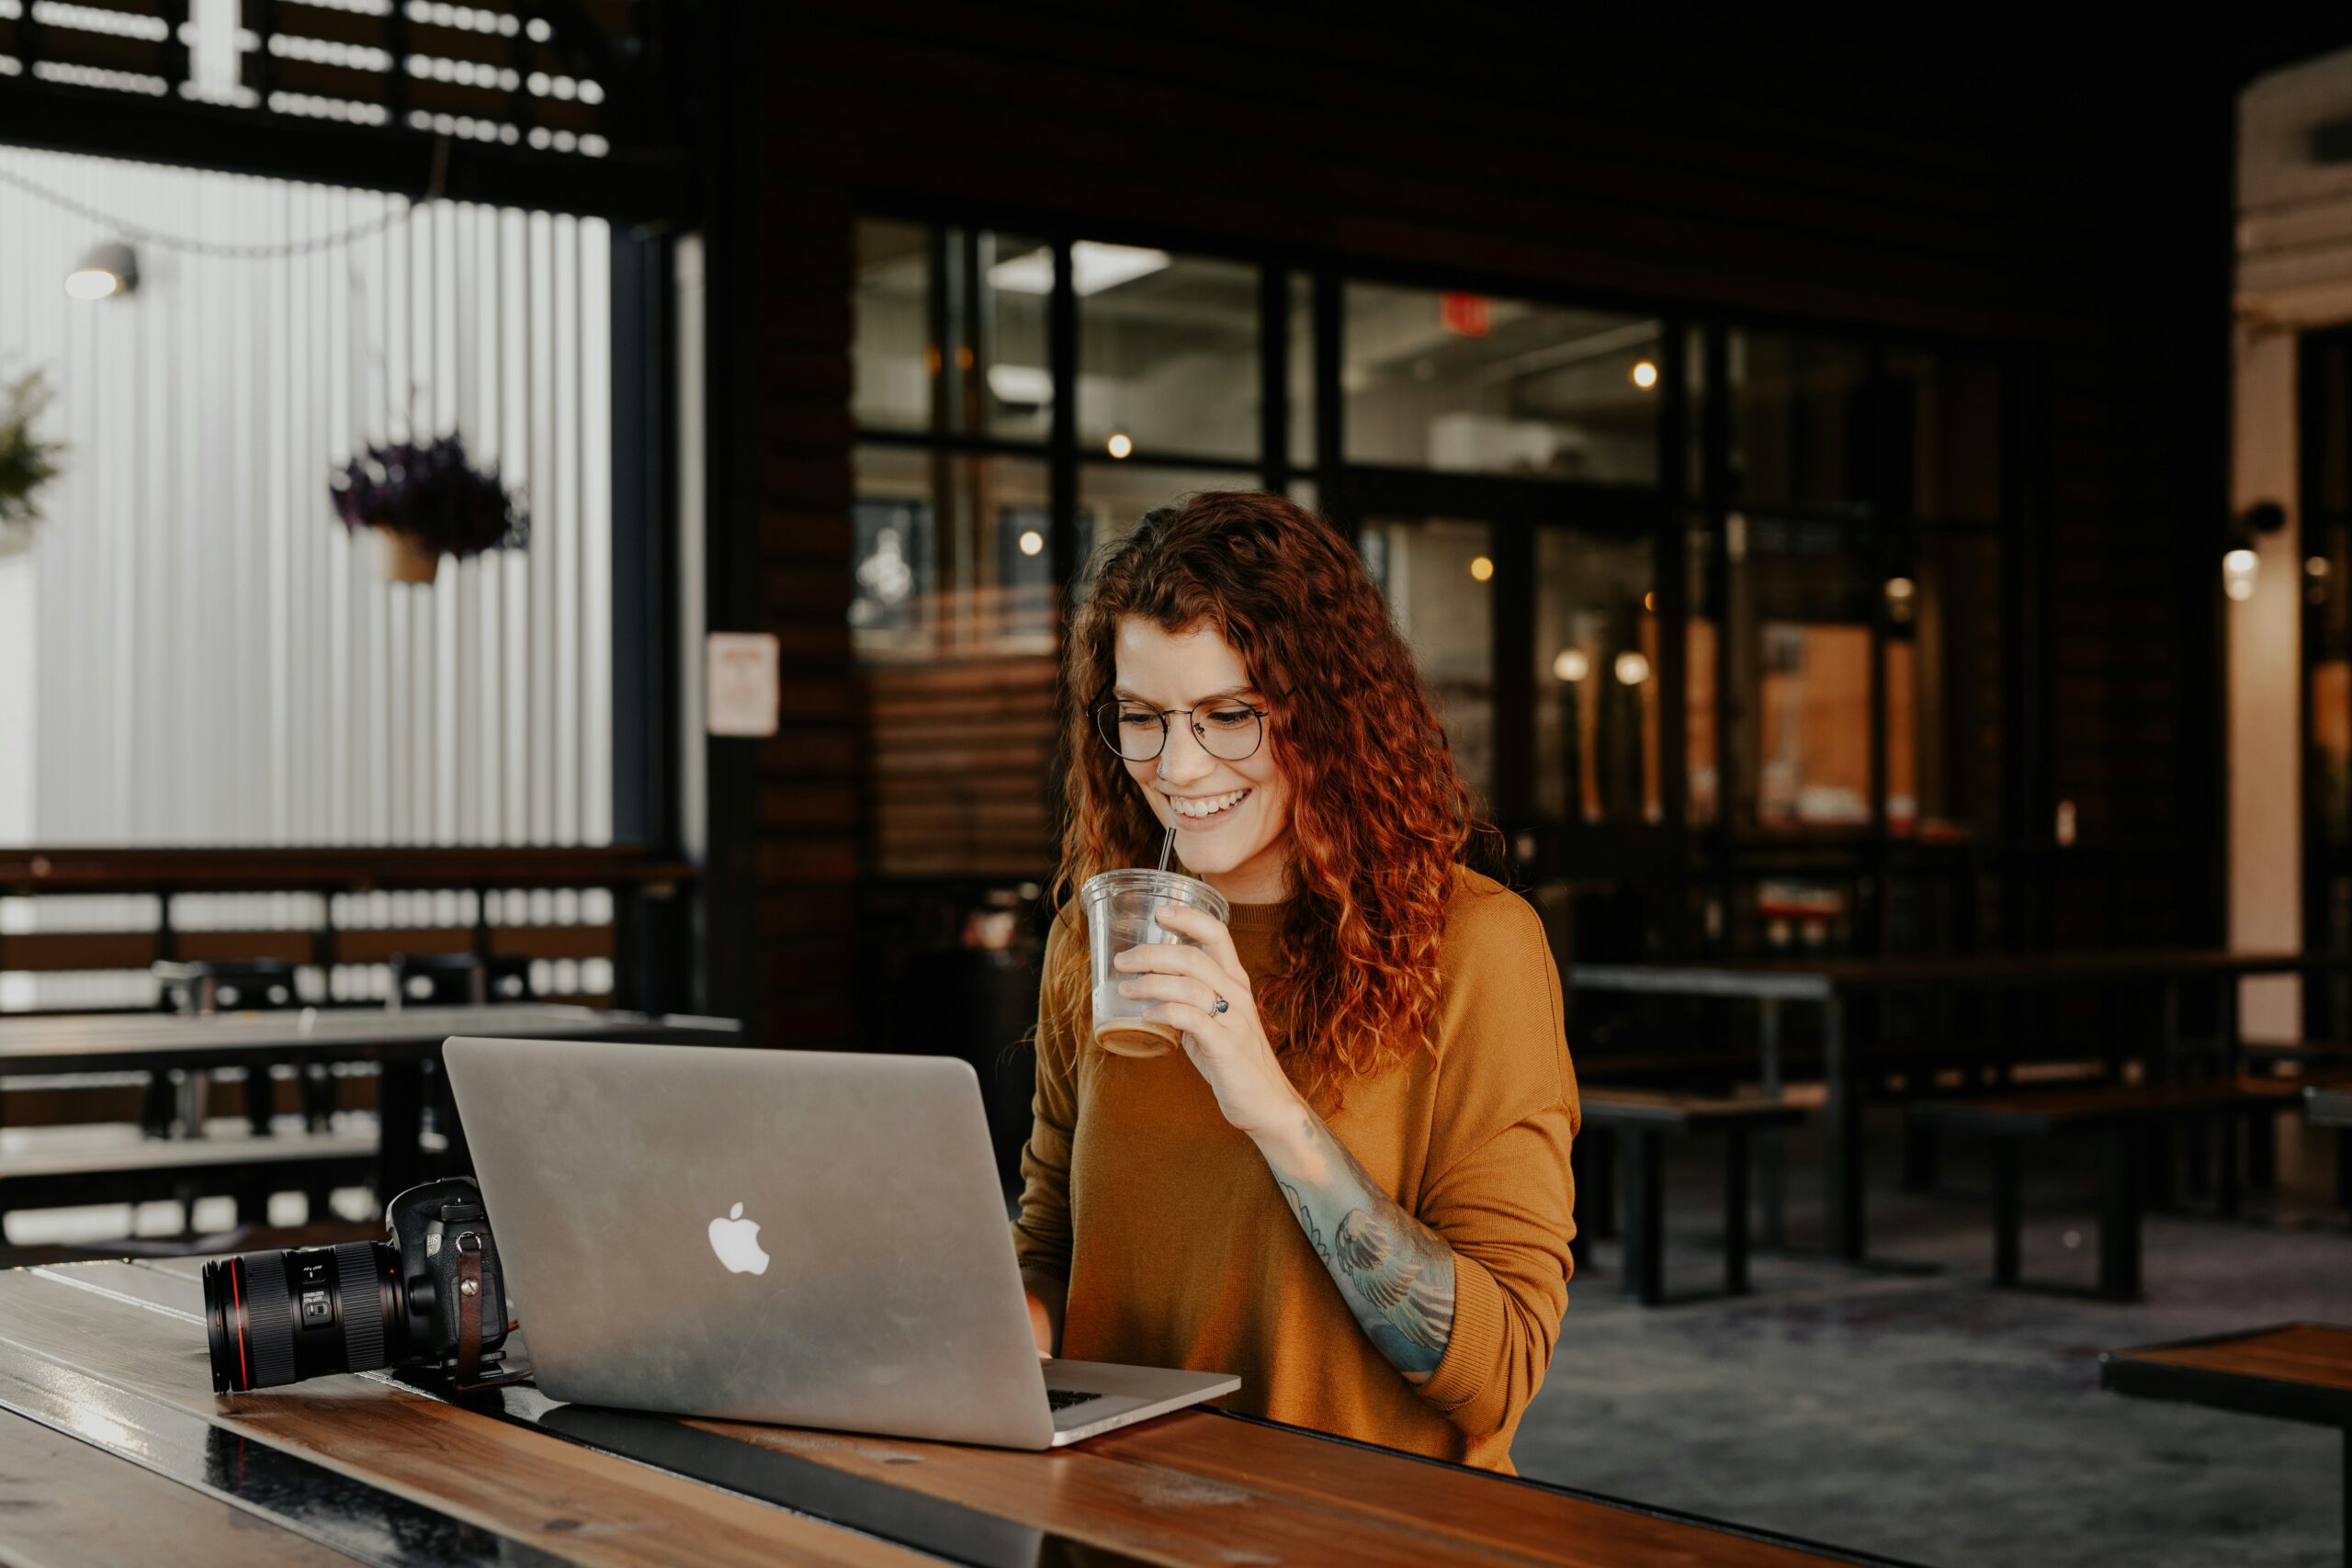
(573, 502)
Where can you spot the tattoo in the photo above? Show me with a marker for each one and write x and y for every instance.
(1306, 1222)
(1395, 1274)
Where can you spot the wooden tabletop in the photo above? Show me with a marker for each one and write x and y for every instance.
(74, 1042)
(2297, 1371)
(113, 1449)
(1817, 979)
(2329, 1108)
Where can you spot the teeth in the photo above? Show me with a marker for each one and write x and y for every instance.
(1207, 805)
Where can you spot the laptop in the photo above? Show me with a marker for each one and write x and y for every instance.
(809, 1238)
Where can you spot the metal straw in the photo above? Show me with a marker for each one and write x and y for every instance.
(1166, 845)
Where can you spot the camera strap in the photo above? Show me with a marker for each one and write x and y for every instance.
(470, 1307)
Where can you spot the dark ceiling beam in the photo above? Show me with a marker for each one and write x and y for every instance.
(627, 188)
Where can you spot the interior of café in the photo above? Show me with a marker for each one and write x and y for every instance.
(561, 521)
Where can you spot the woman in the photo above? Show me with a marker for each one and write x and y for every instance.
(1352, 1187)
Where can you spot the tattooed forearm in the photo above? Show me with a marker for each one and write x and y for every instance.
(1395, 1274)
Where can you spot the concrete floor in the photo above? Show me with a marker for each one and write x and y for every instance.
(1919, 1412)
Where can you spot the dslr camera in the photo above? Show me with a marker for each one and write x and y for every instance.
(431, 1294)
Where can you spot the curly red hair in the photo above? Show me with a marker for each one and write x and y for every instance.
(1379, 813)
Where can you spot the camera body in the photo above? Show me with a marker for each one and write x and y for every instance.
(441, 1226)
(432, 1293)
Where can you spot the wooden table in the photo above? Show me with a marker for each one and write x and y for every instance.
(113, 1448)
(1831, 984)
(2298, 1371)
(400, 1041)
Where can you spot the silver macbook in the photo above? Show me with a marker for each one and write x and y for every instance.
(806, 1238)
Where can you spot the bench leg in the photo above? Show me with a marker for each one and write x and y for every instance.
(2197, 1159)
(1580, 1163)
(2262, 1153)
(1919, 1151)
(1735, 1212)
(1597, 1203)
(1645, 1216)
(2227, 1177)
(2008, 1218)
(2119, 1215)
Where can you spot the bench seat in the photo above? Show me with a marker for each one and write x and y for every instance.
(2120, 1114)
(1638, 1121)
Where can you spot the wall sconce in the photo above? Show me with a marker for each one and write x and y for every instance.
(106, 270)
(2240, 564)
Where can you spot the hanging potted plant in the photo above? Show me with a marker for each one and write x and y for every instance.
(26, 463)
(427, 502)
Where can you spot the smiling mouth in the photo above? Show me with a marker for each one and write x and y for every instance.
(1206, 808)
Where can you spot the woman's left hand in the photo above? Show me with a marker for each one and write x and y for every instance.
(1230, 1048)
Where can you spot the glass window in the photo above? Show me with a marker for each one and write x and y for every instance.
(953, 555)
(1438, 575)
(1944, 438)
(1303, 454)
(1595, 679)
(1112, 497)
(1472, 383)
(1702, 655)
(1943, 690)
(1796, 421)
(999, 291)
(958, 314)
(1801, 619)
(1166, 351)
(890, 349)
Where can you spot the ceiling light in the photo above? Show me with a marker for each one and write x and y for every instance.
(1029, 385)
(1031, 541)
(106, 270)
(1645, 374)
(1093, 267)
(1633, 668)
(1118, 446)
(1481, 568)
(2238, 570)
(1572, 665)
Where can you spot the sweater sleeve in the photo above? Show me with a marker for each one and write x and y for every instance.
(1498, 1188)
(1041, 1236)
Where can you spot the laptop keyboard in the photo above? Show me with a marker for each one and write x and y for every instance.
(1063, 1398)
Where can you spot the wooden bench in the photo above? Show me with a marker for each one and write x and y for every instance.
(87, 1167)
(1643, 1119)
(2120, 1114)
(2296, 1371)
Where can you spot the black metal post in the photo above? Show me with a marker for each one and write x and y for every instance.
(2119, 1217)
(2008, 1189)
(1841, 1131)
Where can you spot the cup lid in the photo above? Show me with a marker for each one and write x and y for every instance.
(1174, 887)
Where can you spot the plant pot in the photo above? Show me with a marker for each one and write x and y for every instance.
(408, 558)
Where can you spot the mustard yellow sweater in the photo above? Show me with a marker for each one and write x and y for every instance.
(1178, 1251)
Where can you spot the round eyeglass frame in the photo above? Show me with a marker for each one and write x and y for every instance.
(1105, 712)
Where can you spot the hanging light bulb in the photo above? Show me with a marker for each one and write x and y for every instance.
(1572, 665)
(1633, 668)
(105, 271)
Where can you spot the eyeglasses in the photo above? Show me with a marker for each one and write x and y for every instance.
(1228, 728)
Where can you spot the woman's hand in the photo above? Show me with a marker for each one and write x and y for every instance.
(1230, 1048)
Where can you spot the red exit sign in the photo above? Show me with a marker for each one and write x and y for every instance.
(1464, 315)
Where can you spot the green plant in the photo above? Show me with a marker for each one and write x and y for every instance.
(25, 462)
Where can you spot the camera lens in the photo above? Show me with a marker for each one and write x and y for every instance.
(279, 1317)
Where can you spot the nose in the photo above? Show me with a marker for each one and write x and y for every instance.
(1183, 760)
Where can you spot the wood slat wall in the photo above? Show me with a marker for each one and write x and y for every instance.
(2011, 193)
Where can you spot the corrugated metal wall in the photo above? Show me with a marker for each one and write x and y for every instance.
(214, 659)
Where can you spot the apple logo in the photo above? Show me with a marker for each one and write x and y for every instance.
(737, 1242)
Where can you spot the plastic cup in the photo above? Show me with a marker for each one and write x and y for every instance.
(1122, 911)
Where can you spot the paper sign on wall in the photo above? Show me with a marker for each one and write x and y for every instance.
(743, 683)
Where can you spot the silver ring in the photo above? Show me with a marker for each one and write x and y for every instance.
(1222, 1005)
